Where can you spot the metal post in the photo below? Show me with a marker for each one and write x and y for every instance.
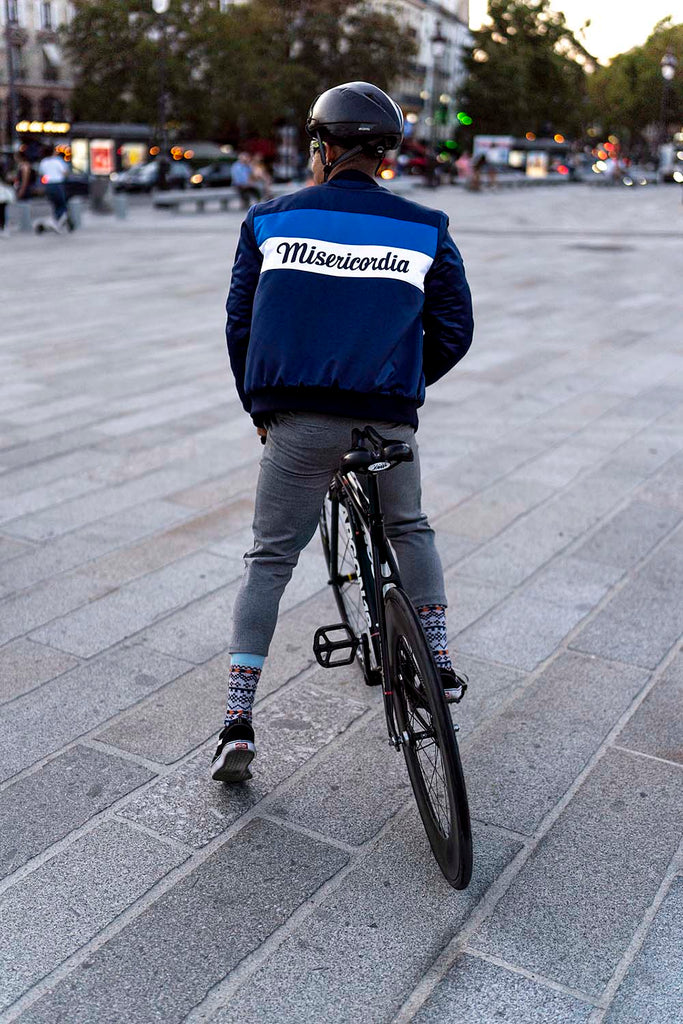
(439, 43)
(432, 134)
(163, 156)
(668, 65)
(161, 8)
(663, 109)
(25, 219)
(11, 86)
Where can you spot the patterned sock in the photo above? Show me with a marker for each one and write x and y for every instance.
(433, 619)
(245, 672)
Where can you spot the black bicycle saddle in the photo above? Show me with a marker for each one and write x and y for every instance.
(372, 453)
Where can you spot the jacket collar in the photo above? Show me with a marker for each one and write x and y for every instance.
(353, 179)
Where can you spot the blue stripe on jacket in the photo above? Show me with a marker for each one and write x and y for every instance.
(347, 229)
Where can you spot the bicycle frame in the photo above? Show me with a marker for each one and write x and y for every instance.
(368, 508)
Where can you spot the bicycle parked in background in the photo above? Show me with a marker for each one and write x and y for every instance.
(382, 631)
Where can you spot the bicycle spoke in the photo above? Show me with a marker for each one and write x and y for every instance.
(426, 748)
(346, 577)
(436, 787)
(436, 783)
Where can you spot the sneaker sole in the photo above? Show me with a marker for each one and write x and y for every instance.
(455, 695)
(232, 765)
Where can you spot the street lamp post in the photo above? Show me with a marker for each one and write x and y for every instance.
(438, 43)
(161, 8)
(11, 86)
(668, 65)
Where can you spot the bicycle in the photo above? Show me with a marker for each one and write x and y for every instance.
(382, 631)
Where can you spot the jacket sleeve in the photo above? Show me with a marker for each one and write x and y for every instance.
(245, 276)
(447, 314)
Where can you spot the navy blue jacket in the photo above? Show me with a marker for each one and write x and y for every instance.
(345, 299)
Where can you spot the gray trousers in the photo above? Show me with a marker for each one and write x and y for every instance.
(301, 455)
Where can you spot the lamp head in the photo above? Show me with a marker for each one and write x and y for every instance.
(668, 64)
(438, 42)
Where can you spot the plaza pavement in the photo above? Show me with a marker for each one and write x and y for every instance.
(134, 889)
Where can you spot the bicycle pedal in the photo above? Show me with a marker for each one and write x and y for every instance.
(332, 653)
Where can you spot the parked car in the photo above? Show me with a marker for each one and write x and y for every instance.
(671, 161)
(638, 175)
(214, 175)
(77, 184)
(145, 177)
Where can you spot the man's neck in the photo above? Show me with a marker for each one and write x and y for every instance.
(351, 167)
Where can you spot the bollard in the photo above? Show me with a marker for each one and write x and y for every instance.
(75, 212)
(99, 198)
(24, 210)
(120, 206)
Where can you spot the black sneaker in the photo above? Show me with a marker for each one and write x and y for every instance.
(454, 686)
(234, 753)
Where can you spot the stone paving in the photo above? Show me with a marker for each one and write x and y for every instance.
(135, 890)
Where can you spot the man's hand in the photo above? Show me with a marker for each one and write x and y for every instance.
(262, 433)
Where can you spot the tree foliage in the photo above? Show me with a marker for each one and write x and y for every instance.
(526, 71)
(628, 95)
(228, 72)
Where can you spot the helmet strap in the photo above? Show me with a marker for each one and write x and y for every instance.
(348, 155)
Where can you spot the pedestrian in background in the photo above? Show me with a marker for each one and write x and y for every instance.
(609, 175)
(24, 179)
(243, 180)
(6, 197)
(478, 165)
(260, 177)
(53, 172)
(463, 166)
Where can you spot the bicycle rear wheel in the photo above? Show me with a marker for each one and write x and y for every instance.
(351, 578)
(430, 747)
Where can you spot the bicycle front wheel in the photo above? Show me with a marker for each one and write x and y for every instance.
(429, 744)
(350, 569)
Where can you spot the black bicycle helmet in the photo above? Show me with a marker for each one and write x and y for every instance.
(358, 116)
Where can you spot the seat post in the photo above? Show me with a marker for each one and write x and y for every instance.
(376, 515)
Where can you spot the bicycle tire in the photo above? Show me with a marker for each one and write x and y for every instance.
(353, 562)
(430, 746)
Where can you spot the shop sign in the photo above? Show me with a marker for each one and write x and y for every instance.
(132, 153)
(79, 155)
(43, 127)
(102, 156)
(537, 164)
(496, 148)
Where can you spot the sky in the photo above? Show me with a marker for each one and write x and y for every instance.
(617, 25)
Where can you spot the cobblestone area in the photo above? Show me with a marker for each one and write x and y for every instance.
(133, 889)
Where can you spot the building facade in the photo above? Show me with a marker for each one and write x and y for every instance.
(42, 78)
(430, 91)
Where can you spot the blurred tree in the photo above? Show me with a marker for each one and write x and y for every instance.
(229, 71)
(526, 72)
(626, 96)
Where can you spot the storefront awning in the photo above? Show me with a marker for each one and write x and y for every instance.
(106, 130)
